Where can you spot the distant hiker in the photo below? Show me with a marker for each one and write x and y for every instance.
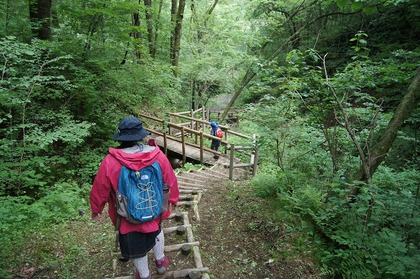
(135, 240)
(217, 132)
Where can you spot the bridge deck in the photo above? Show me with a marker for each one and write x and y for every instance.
(192, 153)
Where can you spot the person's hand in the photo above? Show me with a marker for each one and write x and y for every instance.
(96, 216)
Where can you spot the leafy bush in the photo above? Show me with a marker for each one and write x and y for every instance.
(20, 216)
(267, 183)
(374, 236)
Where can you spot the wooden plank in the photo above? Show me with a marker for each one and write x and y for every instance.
(180, 183)
(182, 273)
(190, 203)
(192, 187)
(201, 176)
(192, 192)
(175, 247)
(174, 229)
(198, 176)
(243, 165)
(150, 117)
(216, 173)
(191, 152)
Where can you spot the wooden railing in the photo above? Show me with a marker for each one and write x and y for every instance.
(189, 130)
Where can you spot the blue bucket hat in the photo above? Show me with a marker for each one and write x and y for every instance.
(130, 129)
(214, 124)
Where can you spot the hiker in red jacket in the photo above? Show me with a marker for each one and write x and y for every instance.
(135, 240)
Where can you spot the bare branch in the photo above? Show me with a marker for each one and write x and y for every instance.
(347, 125)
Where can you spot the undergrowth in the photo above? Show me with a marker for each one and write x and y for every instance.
(374, 235)
(23, 218)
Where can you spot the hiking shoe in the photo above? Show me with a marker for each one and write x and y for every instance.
(161, 265)
(138, 276)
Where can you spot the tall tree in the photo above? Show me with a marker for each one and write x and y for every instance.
(136, 34)
(149, 23)
(40, 17)
(200, 87)
(375, 157)
(156, 32)
(177, 12)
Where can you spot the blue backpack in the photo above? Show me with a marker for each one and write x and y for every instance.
(140, 193)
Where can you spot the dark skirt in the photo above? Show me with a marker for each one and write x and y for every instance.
(136, 245)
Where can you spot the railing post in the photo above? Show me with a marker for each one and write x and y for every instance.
(226, 139)
(232, 154)
(255, 166)
(201, 148)
(192, 121)
(165, 145)
(166, 126)
(203, 117)
(184, 155)
(196, 128)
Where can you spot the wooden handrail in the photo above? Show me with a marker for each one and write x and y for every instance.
(199, 134)
(177, 139)
(224, 128)
(189, 118)
(195, 132)
(150, 117)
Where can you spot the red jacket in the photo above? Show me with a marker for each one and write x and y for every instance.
(106, 183)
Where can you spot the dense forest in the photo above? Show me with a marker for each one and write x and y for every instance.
(331, 88)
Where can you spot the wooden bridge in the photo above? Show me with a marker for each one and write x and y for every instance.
(187, 135)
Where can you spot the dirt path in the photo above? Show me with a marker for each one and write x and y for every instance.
(237, 243)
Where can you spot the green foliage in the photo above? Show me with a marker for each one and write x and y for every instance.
(191, 167)
(284, 140)
(373, 235)
(61, 100)
(36, 125)
(21, 216)
(14, 17)
(267, 182)
(155, 89)
(58, 203)
(366, 237)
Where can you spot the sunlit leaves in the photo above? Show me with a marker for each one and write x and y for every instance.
(35, 119)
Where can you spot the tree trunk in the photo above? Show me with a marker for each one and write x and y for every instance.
(154, 51)
(384, 144)
(137, 35)
(177, 36)
(93, 25)
(149, 23)
(250, 74)
(200, 87)
(174, 8)
(40, 17)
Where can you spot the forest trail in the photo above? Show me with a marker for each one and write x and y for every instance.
(220, 230)
(214, 234)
